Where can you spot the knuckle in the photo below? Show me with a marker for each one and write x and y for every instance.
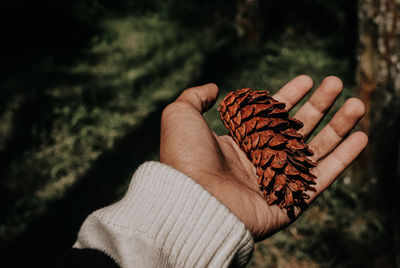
(187, 92)
(173, 108)
(168, 110)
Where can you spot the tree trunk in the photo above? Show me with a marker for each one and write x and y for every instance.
(248, 23)
(378, 81)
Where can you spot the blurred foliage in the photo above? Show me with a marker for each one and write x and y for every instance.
(83, 84)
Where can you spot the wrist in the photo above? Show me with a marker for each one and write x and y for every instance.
(173, 217)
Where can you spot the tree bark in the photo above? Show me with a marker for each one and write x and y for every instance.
(248, 24)
(378, 82)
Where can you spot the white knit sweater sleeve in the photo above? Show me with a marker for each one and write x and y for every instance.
(167, 220)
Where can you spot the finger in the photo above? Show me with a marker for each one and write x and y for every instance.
(316, 107)
(200, 98)
(183, 126)
(333, 133)
(294, 91)
(337, 161)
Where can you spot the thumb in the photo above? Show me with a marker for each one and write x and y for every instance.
(200, 98)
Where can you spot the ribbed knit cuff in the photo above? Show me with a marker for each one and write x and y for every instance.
(167, 219)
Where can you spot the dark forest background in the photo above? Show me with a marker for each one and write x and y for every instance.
(82, 87)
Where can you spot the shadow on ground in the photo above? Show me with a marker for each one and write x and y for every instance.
(48, 236)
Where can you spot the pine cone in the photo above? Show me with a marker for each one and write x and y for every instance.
(260, 125)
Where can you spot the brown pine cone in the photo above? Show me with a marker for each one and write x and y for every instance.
(260, 125)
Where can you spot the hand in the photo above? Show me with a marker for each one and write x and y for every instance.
(221, 167)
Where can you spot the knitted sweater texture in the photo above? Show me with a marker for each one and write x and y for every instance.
(166, 219)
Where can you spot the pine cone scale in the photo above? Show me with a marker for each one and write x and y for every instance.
(261, 126)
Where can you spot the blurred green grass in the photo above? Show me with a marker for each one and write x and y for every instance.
(76, 123)
(102, 99)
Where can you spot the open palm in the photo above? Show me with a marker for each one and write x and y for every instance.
(221, 167)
